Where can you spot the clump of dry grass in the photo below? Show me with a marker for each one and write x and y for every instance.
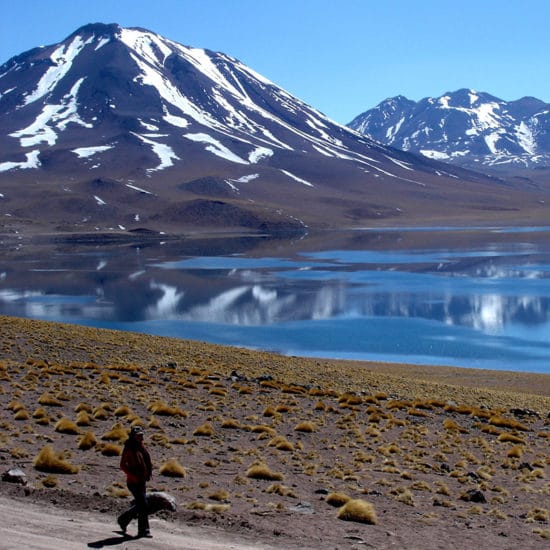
(216, 508)
(116, 433)
(49, 461)
(337, 499)
(66, 426)
(22, 414)
(305, 427)
(87, 441)
(515, 452)
(49, 400)
(117, 490)
(161, 408)
(204, 430)
(281, 443)
(50, 481)
(260, 470)
(502, 422)
(99, 413)
(231, 424)
(83, 419)
(538, 514)
(172, 468)
(220, 495)
(281, 490)
(510, 438)
(358, 510)
(451, 426)
(110, 449)
(123, 410)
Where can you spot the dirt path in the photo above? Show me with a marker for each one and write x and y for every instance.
(34, 527)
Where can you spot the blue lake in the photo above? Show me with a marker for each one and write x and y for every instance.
(471, 298)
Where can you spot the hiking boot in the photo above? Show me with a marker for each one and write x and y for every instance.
(123, 524)
(144, 535)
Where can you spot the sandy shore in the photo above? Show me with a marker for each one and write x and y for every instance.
(267, 458)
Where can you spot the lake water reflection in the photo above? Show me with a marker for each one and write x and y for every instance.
(475, 298)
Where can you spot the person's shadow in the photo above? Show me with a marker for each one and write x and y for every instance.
(111, 541)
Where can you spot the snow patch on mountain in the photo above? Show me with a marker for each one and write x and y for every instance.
(258, 154)
(85, 152)
(215, 147)
(62, 58)
(32, 161)
(164, 152)
(296, 178)
(58, 116)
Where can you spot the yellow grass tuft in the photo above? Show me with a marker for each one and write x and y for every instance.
(83, 419)
(260, 470)
(305, 427)
(22, 414)
(281, 490)
(116, 433)
(502, 422)
(337, 499)
(161, 408)
(49, 461)
(123, 410)
(451, 426)
(110, 449)
(230, 424)
(117, 490)
(99, 413)
(87, 441)
(219, 495)
(538, 514)
(515, 452)
(49, 400)
(50, 481)
(172, 468)
(508, 437)
(216, 508)
(204, 430)
(15, 406)
(358, 510)
(66, 426)
(281, 443)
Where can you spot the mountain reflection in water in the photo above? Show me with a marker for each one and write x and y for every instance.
(472, 299)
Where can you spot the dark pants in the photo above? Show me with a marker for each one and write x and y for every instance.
(138, 510)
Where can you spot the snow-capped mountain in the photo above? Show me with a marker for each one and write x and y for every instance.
(467, 128)
(121, 128)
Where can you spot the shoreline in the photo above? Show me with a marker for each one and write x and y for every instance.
(529, 383)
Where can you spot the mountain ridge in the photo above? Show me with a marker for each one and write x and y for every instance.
(467, 128)
(154, 117)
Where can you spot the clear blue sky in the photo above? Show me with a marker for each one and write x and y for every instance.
(340, 56)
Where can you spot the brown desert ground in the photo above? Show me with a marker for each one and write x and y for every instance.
(265, 451)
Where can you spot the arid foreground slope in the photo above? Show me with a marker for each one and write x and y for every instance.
(272, 453)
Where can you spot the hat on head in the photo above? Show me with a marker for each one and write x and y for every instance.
(136, 430)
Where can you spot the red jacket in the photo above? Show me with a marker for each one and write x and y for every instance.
(135, 462)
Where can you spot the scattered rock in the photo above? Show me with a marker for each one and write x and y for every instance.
(521, 413)
(303, 508)
(15, 475)
(473, 495)
(159, 500)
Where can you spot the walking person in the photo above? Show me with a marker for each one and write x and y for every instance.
(136, 464)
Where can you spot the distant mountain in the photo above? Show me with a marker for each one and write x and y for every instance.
(121, 129)
(465, 128)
